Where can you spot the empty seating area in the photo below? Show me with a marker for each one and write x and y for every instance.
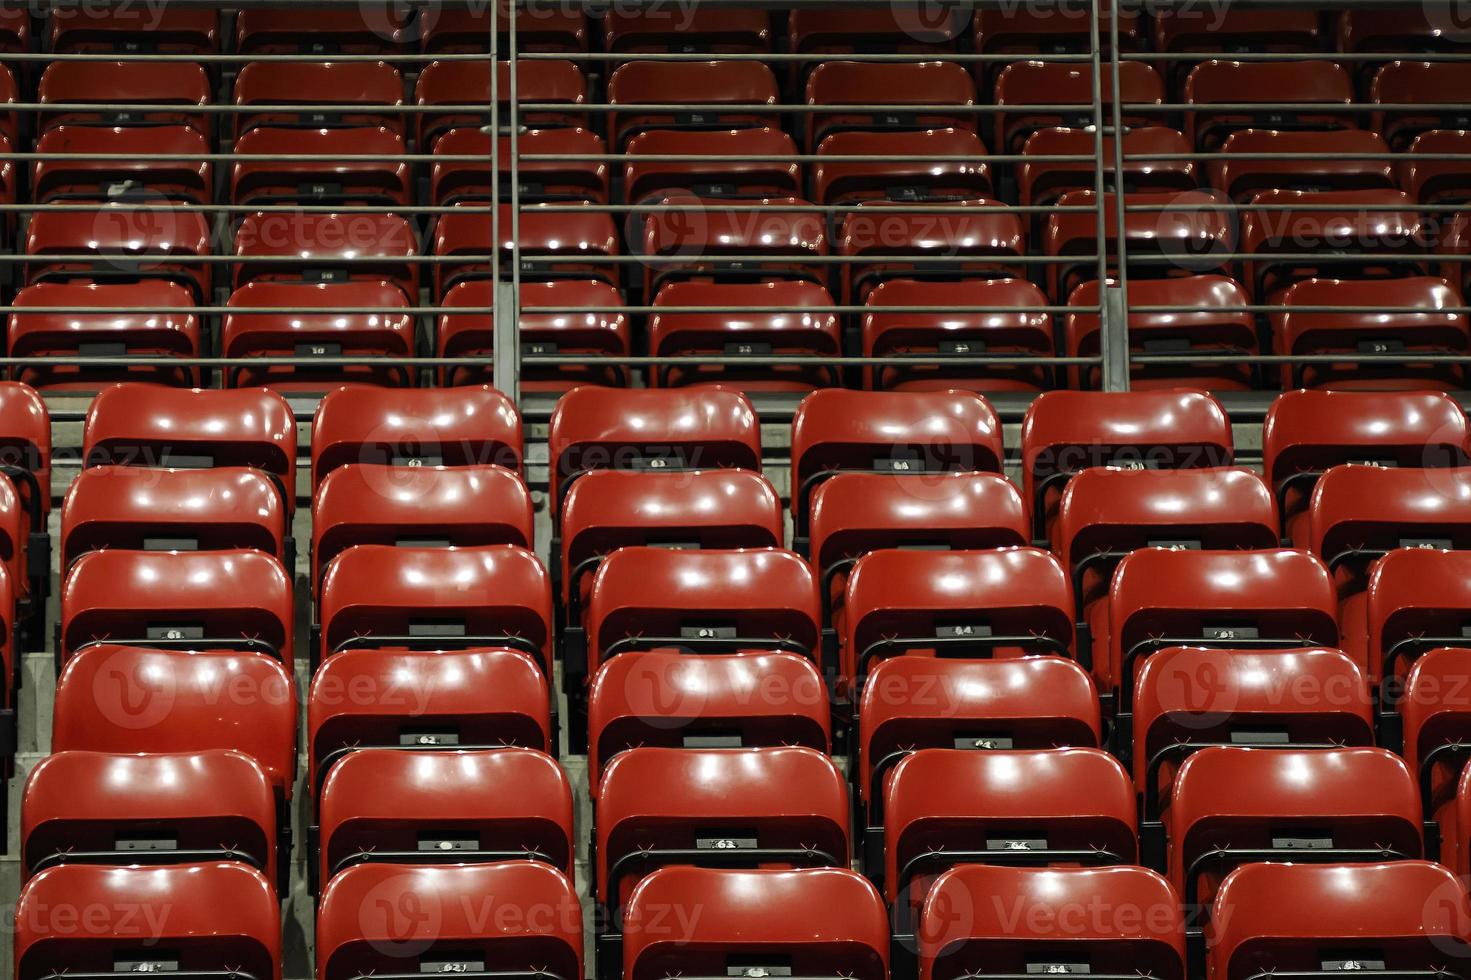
(867, 491)
(899, 202)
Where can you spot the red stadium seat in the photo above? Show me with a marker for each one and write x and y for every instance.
(815, 922)
(854, 514)
(862, 29)
(1189, 698)
(891, 87)
(417, 701)
(971, 604)
(1042, 180)
(1234, 805)
(657, 807)
(416, 506)
(1338, 234)
(146, 425)
(83, 807)
(1233, 600)
(910, 175)
(415, 427)
(321, 181)
(185, 600)
(593, 335)
(134, 174)
(708, 601)
(1416, 602)
(308, 335)
(1240, 175)
(977, 239)
(1413, 82)
(1273, 84)
(135, 30)
(915, 703)
(1452, 238)
(133, 508)
(1134, 923)
(1306, 432)
(1049, 84)
(656, 30)
(1049, 807)
(1434, 713)
(125, 699)
(1360, 513)
(1106, 513)
(1233, 30)
(648, 429)
(1409, 916)
(1412, 29)
(344, 30)
(1064, 433)
(214, 918)
(117, 334)
(369, 921)
(553, 245)
(1209, 317)
(665, 698)
(649, 173)
(415, 598)
(1366, 335)
(466, 30)
(1435, 170)
(609, 509)
(173, 87)
(454, 181)
(25, 463)
(1165, 234)
(981, 324)
(125, 243)
(788, 333)
(367, 91)
(702, 85)
(467, 83)
(386, 806)
(888, 432)
(1051, 27)
(326, 247)
(699, 239)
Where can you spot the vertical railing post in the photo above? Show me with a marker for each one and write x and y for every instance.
(1113, 337)
(1113, 325)
(507, 296)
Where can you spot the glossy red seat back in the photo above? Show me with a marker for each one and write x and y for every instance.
(415, 427)
(664, 698)
(888, 432)
(824, 921)
(1235, 805)
(360, 930)
(123, 699)
(178, 600)
(655, 806)
(706, 601)
(1416, 913)
(421, 700)
(130, 507)
(598, 428)
(219, 916)
(1149, 935)
(958, 604)
(381, 596)
(147, 425)
(87, 807)
(436, 507)
(1064, 433)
